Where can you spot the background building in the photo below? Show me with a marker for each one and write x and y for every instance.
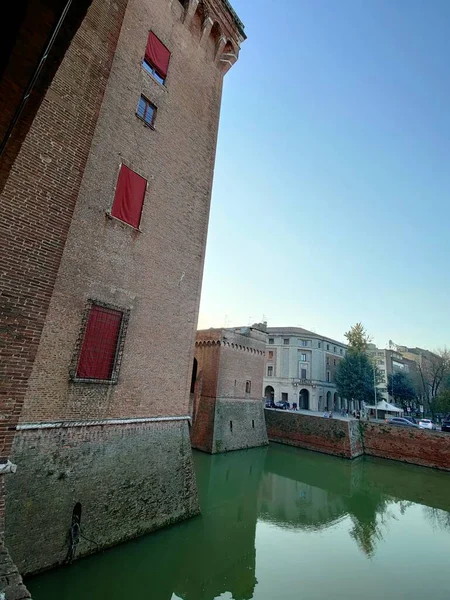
(228, 412)
(388, 362)
(300, 368)
(105, 204)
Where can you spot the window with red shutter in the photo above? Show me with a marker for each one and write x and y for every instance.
(129, 197)
(99, 344)
(157, 56)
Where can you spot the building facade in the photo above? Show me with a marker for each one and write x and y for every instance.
(104, 223)
(228, 412)
(300, 368)
(388, 362)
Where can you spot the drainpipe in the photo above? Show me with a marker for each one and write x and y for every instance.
(34, 77)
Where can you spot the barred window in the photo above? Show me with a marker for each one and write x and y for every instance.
(103, 332)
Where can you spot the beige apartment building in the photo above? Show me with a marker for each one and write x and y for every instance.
(300, 368)
(390, 361)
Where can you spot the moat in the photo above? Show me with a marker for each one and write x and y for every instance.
(287, 524)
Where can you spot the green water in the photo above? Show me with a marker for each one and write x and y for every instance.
(280, 523)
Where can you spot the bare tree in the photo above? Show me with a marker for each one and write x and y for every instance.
(433, 369)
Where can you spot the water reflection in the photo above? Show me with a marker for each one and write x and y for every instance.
(296, 492)
(312, 493)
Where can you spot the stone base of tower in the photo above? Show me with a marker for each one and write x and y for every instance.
(123, 480)
(225, 424)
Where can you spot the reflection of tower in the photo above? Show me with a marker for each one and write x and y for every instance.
(224, 559)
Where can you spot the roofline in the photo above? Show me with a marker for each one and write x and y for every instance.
(303, 332)
(239, 24)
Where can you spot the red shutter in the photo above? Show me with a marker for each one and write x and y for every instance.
(157, 55)
(98, 350)
(129, 198)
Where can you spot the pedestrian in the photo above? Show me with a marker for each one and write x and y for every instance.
(330, 416)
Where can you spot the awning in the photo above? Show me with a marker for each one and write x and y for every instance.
(383, 405)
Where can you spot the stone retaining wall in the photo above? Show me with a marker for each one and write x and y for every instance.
(352, 438)
(331, 436)
(416, 446)
(129, 480)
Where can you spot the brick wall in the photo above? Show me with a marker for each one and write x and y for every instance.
(239, 363)
(39, 198)
(354, 438)
(155, 272)
(63, 250)
(227, 417)
(420, 447)
(25, 33)
(313, 433)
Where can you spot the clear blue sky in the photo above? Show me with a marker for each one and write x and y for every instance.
(332, 183)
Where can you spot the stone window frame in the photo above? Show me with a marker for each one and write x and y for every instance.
(119, 348)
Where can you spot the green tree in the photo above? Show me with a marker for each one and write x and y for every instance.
(442, 403)
(358, 339)
(354, 377)
(401, 388)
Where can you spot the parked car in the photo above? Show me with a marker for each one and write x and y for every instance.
(445, 426)
(412, 419)
(426, 424)
(402, 422)
(283, 405)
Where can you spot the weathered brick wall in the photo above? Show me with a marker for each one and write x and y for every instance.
(202, 430)
(39, 198)
(226, 417)
(417, 446)
(354, 438)
(240, 363)
(238, 424)
(25, 32)
(155, 272)
(313, 433)
(129, 479)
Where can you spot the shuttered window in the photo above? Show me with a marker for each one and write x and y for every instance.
(129, 197)
(157, 57)
(100, 342)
